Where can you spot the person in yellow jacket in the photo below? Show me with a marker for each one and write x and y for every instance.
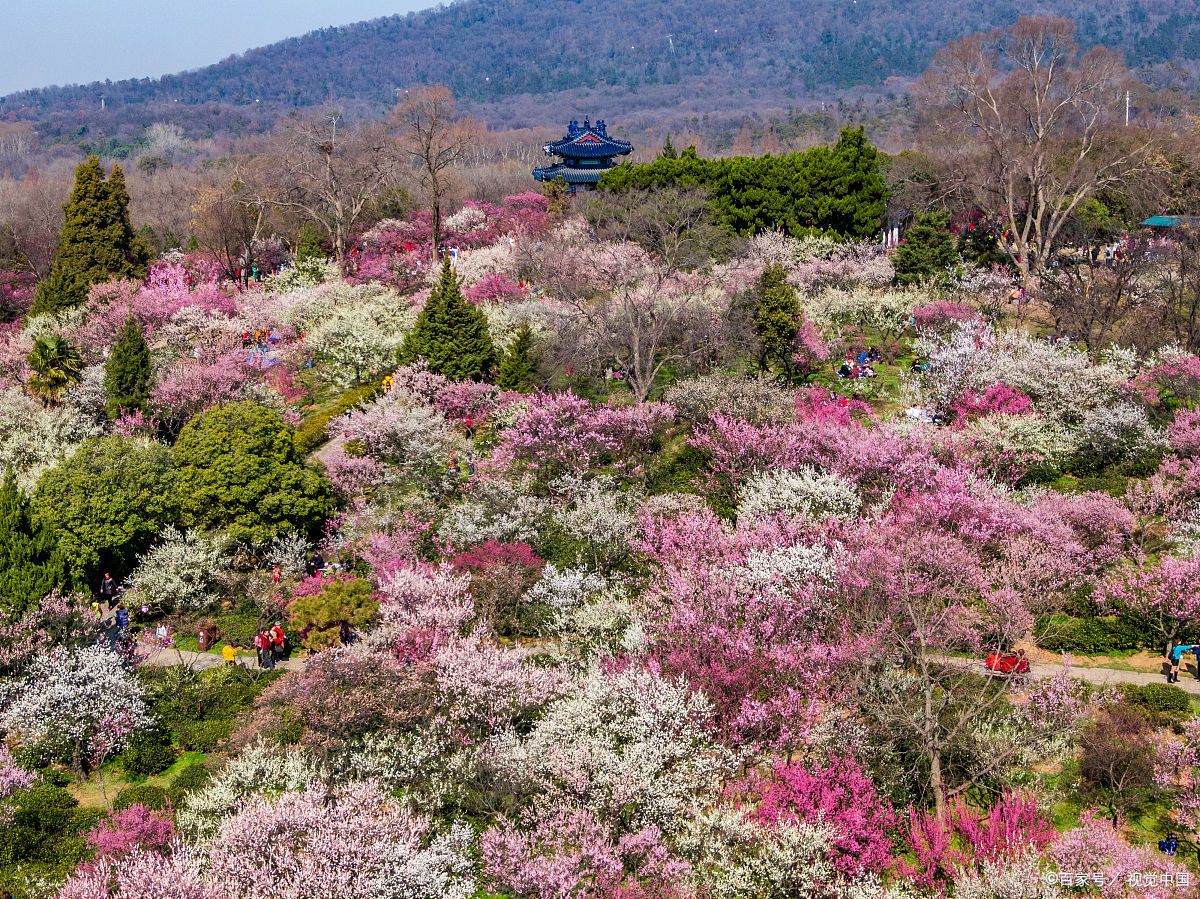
(229, 654)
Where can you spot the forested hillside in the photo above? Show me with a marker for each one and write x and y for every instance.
(491, 51)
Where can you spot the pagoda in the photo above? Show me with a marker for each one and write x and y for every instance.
(585, 153)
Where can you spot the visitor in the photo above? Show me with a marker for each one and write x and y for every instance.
(846, 368)
(1176, 657)
(229, 654)
(122, 618)
(1170, 845)
(278, 641)
(96, 609)
(276, 574)
(108, 588)
(163, 634)
(262, 649)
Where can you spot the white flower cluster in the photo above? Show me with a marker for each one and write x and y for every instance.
(66, 694)
(257, 770)
(598, 514)
(806, 492)
(290, 552)
(497, 510)
(304, 273)
(398, 429)
(753, 399)
(1120, 432)
(359, 342)
(180, 572)
(33, 438)
(884, 311)
(628, 745)
(787, 568)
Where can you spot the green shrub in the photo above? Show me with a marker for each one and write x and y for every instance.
(311, 432)
(1086, 636)
(149, 752)
(44, 825)
(1158, 697)
(191, 778)
(203, 736)
(324, 618)
(142, 794)
(238, 628)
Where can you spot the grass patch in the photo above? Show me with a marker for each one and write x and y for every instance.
(91, 793)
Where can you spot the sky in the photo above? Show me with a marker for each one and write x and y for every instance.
(45, 42)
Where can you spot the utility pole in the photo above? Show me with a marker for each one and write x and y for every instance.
(1126, 109)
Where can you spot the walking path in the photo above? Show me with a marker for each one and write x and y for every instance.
(199, 661)
(1188, 682)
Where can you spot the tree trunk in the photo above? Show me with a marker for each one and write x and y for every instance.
(937, 785)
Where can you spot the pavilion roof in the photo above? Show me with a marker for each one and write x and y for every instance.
(1172, 221)
(587, 141)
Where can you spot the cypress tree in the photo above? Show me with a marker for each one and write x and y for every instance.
(30, 563)
(516, 368)
(308, 245)
(777, 314)
(928, 250)
(127, 374)
(97, 242)
(451, 334)
(668, 150)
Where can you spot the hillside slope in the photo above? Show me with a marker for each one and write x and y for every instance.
(491, 50)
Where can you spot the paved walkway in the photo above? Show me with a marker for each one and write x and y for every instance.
(1099, 676)
(199, 661)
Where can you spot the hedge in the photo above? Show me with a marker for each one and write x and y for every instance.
(1087, 636)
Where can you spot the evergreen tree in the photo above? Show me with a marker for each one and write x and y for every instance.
(97, 242)
(308, 245)
(451, 334)
(128, 373)
(928, 249)
(668, 150)
(777, 314)
(517, 366)
(30, 563)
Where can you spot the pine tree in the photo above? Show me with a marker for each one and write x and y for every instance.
(127, 375)
(668, 150)
(30, 563)
(517, 366)
(97, 242)
(928, 250)
(451, 334)
(777, 315)
(308, 245)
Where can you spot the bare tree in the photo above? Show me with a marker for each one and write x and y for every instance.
(227, 219)
(1033, 127)
(645, 297)
(435, 140)
(31, 217)
(332, 173)
(1091, 298)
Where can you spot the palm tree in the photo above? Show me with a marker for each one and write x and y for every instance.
(56, 366)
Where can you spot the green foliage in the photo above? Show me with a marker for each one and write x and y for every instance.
(56, 366)
(203, 736)
(190, 779)
(776, 317)
(450, 333)
(106, 503)
(929, 249)
(308, 245)
(97, 243)
(239, 469)
(148, 752)
(668, 150)
(517, 366)
(128, 372)
(142, 794)
(238, 628)
(60, 291)
(30, 564)
(1086, 636)
(43, 825)
(312, 433)
(325, 618)
(838, 189)
(1157, 697)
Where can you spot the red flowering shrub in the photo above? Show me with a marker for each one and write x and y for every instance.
(129, 829)
(997, 399)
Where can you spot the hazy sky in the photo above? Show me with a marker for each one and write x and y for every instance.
(44, 42)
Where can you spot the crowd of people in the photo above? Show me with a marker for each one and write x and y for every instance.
(860, 364)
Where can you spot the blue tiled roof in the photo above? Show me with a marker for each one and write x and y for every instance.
(588, 141)
(568, 174)
(1172, 221)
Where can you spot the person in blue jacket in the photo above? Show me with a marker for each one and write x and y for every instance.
(1177, 656)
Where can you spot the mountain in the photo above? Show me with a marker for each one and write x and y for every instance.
(703, 54)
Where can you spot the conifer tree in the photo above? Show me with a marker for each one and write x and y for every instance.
(668, 150)
(777, 315)
(516, 368)
(928, 250)
(127, 375)
(451, 334)
(97, 242)
(308, 245)
(30, 563)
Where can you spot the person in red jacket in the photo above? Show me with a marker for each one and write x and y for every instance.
(278, 639)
